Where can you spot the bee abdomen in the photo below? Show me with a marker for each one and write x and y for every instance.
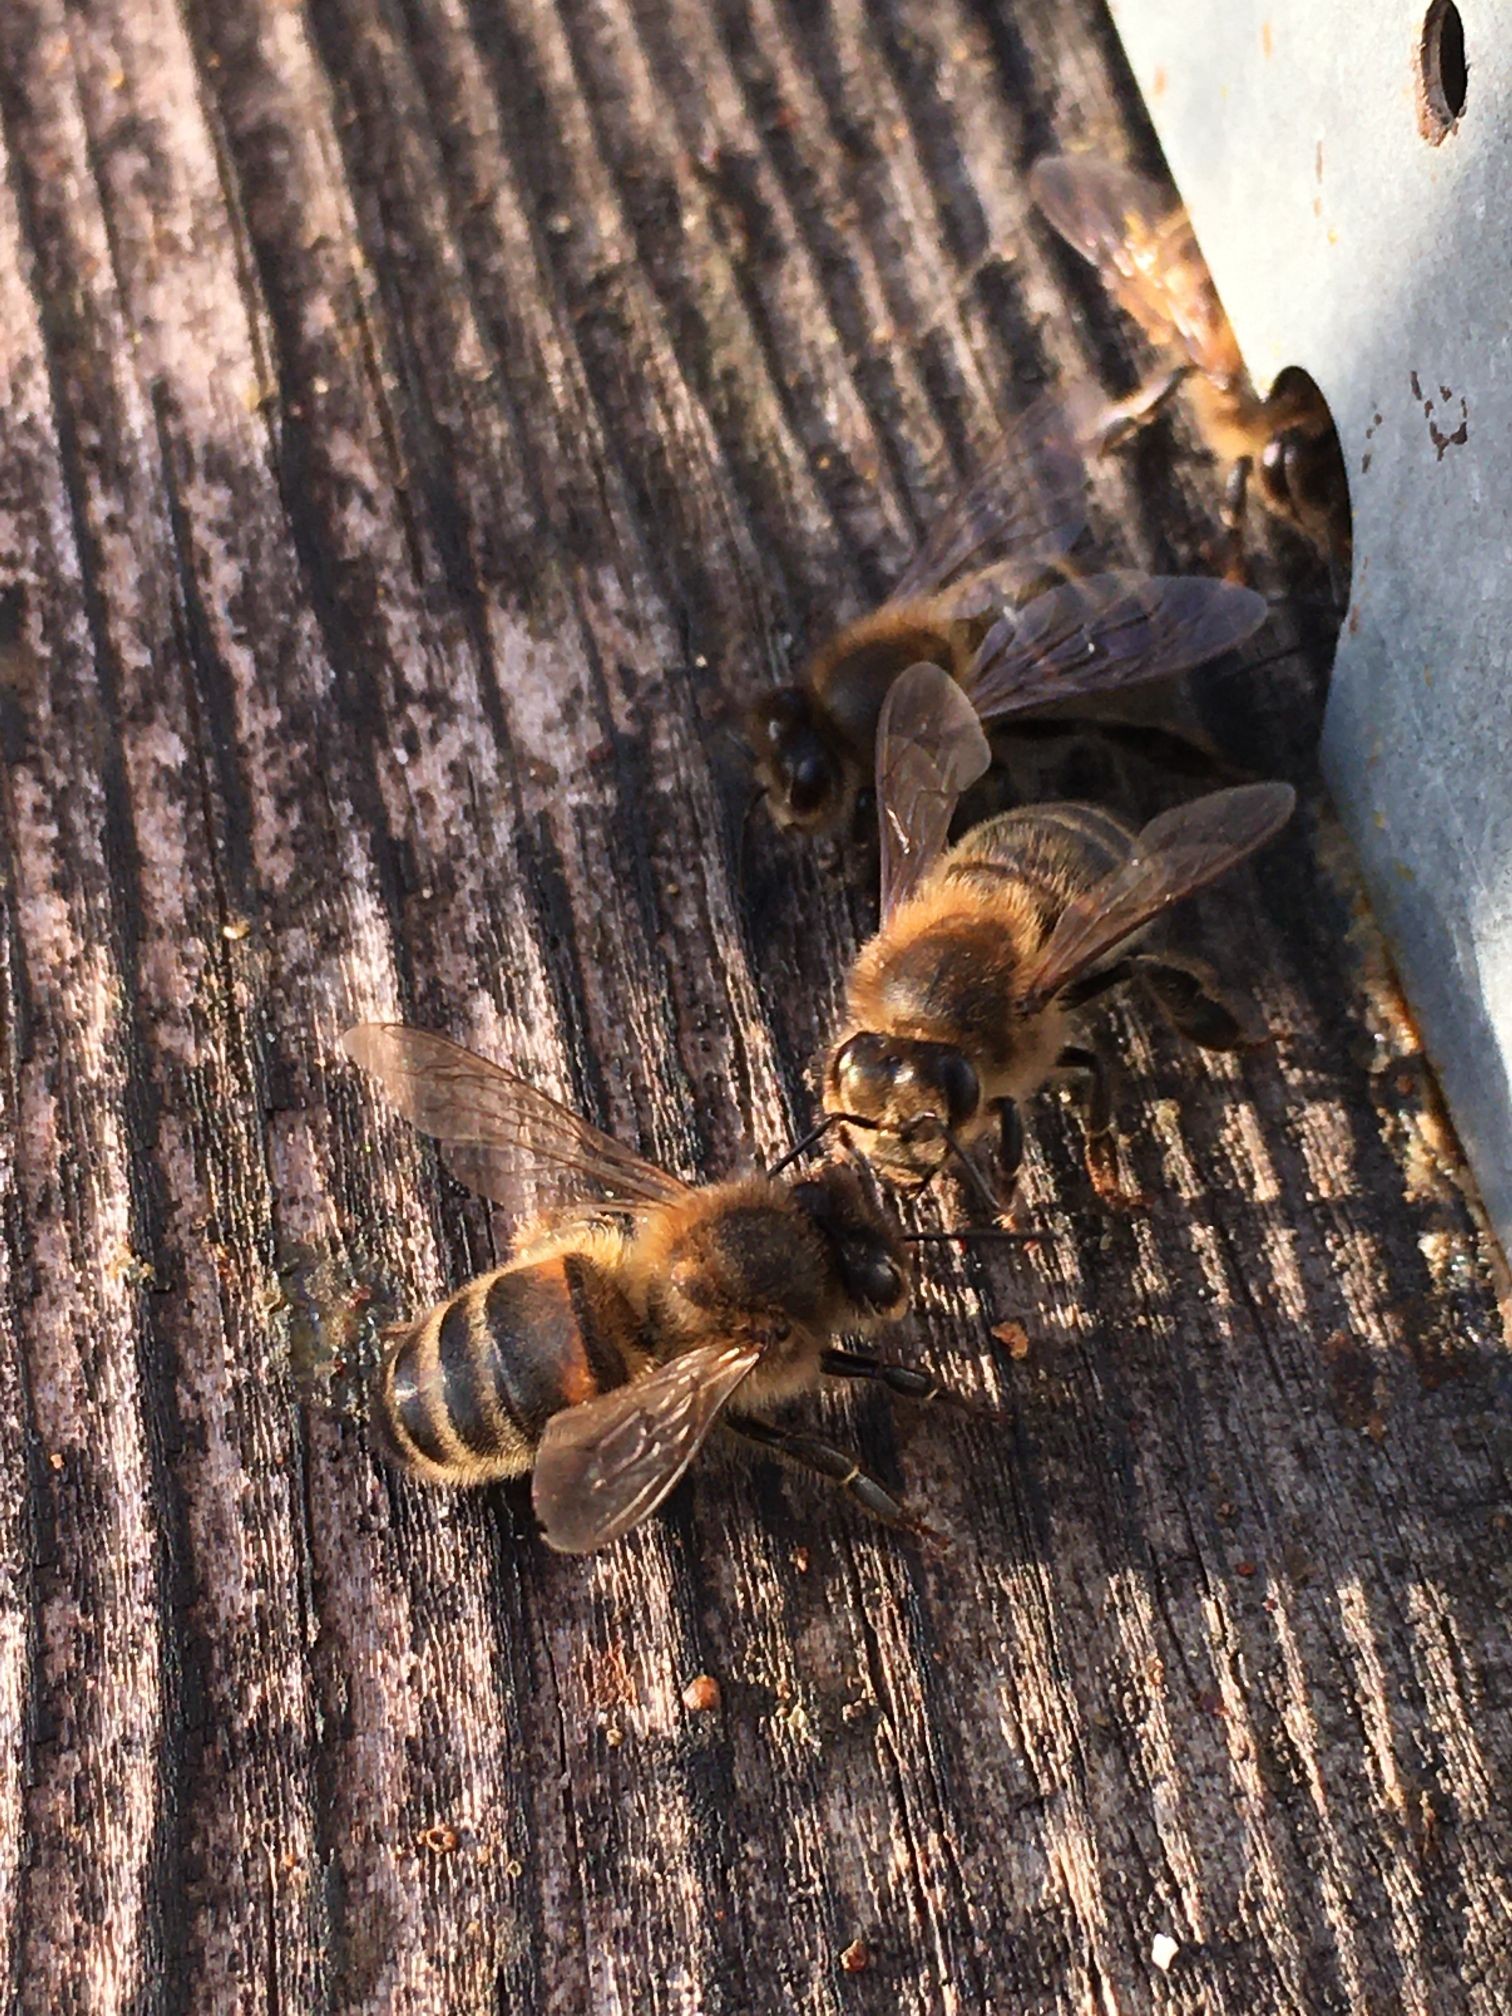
(1051, 852)
(464, 1394)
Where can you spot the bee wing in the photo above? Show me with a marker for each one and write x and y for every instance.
(930, 747)
(496, 1132)
(1027, 507)
(1144, 247)
(604, 1465)
(1174, 856)
(1105, 631)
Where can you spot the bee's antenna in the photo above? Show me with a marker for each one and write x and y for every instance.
(1338, 579)
(973, 1234)
(1330, 605)
(802, 1147)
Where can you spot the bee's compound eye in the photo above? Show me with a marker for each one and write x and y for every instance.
(961, 1086)
(865, 1062)
(883, 1284)
(807, 772)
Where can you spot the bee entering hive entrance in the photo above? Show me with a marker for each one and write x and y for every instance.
(1302, 471)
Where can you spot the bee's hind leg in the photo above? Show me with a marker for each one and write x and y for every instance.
(1122, 419)
(1189, 995)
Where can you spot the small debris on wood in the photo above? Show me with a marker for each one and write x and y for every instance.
(1014, 1336)
(439, 1838)
(856, 1958)
(1163, 1950)
(701, 1694)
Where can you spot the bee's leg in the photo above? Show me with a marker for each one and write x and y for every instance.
(1010, 1155)
(1175, 752)
(1102, 1144)
(828, 1460)
(1188, 994)
(1232, 518)
(1122, 419)
(1094, 985)
(903, 1380)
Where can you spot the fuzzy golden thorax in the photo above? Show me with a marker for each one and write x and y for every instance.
(785, 1266)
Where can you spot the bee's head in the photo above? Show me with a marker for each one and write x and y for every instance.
(870, 1260)
(798, 765)
(899, 1099)
(1301, 471)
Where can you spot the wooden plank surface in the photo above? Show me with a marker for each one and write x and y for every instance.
(424, 426)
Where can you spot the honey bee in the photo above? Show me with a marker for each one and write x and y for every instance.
(968, 997)
(603, 1354)
(1145, 250)
(813, 743)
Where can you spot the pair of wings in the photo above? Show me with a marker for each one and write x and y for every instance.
(1145, 250)
(1079, 638)
(605, 1464)
(930, 747)
(1027, 507)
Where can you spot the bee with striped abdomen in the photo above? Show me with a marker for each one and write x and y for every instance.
(600, 1358)
(978, 601)
(968, 997)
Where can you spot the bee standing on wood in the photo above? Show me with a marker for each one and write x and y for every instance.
(813, 743)
(1145, 250)
(604, 1353)
(967, 999)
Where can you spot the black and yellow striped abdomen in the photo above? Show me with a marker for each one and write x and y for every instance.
(464, 1393)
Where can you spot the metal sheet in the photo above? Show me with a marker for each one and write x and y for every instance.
(1342, 240)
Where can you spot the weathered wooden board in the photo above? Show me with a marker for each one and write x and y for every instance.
(423, 426)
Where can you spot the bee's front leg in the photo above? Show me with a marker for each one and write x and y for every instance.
(1010, 1157)
(1101, 1151)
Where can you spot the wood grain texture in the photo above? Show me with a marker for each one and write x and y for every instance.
(424, 424)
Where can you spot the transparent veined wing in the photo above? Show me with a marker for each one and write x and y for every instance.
(1025, 509)
(604, 1465)
(1173, 857)
(1105, 631)
(1144, 247)
(497, 1133)
(930, 748)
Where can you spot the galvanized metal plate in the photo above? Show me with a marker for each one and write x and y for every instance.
(1355, 228)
